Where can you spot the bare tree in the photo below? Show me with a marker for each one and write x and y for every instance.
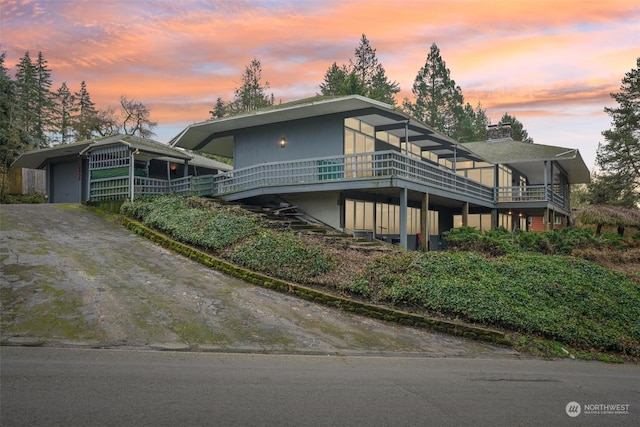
(136, 118)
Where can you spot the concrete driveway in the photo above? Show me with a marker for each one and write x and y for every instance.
(71, 277)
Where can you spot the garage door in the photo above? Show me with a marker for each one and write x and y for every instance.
(65, 187)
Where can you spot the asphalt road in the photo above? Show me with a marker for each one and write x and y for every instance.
(75, 387)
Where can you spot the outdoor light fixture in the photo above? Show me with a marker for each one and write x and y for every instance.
(137, 152)
(283, 142)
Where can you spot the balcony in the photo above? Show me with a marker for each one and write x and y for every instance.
(344, 170)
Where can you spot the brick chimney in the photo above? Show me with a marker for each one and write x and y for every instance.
(499, 131)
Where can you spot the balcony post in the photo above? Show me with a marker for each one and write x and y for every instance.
(132, 166)
(546, 181)
(424, 222)
(403, 218)
(494, 219)
(465, 214)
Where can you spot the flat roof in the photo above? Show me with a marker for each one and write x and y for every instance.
(216, 136)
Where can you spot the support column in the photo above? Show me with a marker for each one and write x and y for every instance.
(403, 218)
(186, 169)
(494, 219)
(547, 222)
(465, 214)
(132, 166)
(424, 222)
(546, 181)
(551, 184)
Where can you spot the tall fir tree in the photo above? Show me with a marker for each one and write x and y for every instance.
(65, 109)
(364, 76)
(619, 156)
(26, 97)
(13, 137)
(334, 83)
(251, 95)
(438, 101)
(85, 119)
(44, 102)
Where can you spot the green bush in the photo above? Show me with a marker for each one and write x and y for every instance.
(210, 226)
(562, 298)
(282, 255)
(30, 198)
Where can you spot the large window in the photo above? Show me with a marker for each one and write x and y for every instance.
(358, 139)
(359, 215)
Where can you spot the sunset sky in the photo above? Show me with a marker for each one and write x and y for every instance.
(551, 64)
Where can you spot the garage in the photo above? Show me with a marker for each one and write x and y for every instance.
(65, 182)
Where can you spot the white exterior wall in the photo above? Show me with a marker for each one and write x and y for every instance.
(322, 206)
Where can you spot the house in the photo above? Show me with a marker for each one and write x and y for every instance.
(352, 163)
(366, 167)
(117, 167)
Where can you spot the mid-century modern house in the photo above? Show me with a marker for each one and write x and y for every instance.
(118, 167)
(352, 163)
(360, 165)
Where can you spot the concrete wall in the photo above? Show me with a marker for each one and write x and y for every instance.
(305, 138)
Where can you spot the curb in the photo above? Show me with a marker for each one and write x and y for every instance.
(314, 295)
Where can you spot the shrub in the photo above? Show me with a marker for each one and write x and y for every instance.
(282, 255)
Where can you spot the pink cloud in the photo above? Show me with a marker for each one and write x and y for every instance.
(542, 57)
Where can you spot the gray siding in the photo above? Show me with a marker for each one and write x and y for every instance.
(306, 138)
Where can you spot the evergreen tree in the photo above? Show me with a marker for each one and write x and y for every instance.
(85, 120)
(473, 124)
(44, 102)
(619, 156)
(438, 101)
(518, 132)
(220, 109)
(136, 118)
(610, 189)
(335, 79)
(26, 97)
(13, 138)
(63, 124)
(251, 95)
(364, 76)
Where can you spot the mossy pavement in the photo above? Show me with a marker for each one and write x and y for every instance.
(70, 276)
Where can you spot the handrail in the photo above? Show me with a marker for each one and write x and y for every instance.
(319, 170)
(345, 168)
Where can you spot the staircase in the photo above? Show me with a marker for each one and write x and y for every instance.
(291, 218)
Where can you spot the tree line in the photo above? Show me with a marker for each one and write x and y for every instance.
(33, 115)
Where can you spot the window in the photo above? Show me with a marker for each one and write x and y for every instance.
(359, 215)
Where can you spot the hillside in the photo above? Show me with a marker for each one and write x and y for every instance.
(548, 301)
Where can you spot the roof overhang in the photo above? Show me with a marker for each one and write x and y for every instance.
(145, 150)
(217, 136)
(38, 159)
(529, 158)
